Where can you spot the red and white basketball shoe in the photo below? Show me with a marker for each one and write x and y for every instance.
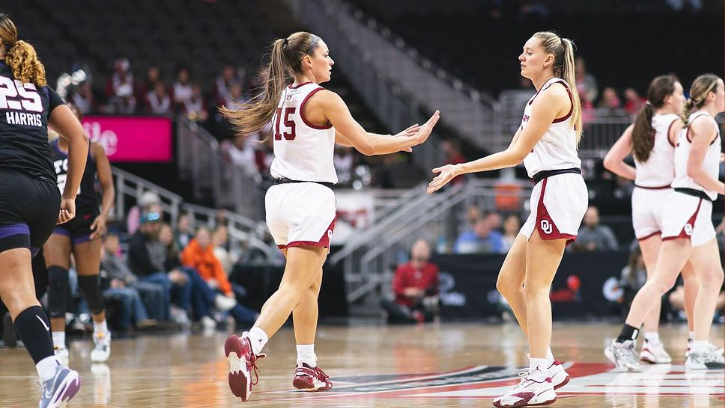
(559, 376)
(528, 393)
(242, 363)
(311, 378)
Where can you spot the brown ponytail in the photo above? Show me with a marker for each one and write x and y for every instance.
(643, 134)
(563, 51)
(20, 56)
(284, 60)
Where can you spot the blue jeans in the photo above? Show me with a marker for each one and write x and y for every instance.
(152, 296)
(203, 300)
(182, 293)
(133, 309)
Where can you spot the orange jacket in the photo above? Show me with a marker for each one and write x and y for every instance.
(206, 263)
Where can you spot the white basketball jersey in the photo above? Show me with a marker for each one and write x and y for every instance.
(711, 164)
(659, 169)
(556, 150)
(302, 150)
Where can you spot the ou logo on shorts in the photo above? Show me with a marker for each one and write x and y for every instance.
(546, 227)
(688, 229)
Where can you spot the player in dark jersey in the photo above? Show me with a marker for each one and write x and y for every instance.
(81, 236)
(30, 204)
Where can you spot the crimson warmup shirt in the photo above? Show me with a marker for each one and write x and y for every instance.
(406, 277)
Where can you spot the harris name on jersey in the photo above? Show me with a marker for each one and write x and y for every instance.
(24, 119)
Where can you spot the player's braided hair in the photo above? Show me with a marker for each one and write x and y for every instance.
(20, 56)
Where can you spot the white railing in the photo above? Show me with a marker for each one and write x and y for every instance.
(131, 186)
(211, 173)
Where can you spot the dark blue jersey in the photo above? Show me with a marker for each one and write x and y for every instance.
(24, 111)
(86, 198)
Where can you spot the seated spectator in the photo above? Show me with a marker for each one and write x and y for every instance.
(153, 76)
(633, 103)
(220, 242)
(83, 98)
(586, 84)
(593, 236)
(482, 239)
(610, 100)
(199, 256)
(633, 277)
(511, 229)
(224, 83)
(133, 219)
(181, 90)
(242, 153)
(118, 281)
(195, 107)
(344, 163)
(415, 286)
(158, 101)
(494, 221)
(184, 232)
(147, 260)
(120, 88)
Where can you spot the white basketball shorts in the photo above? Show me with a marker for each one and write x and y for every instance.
(558, 204)
(690, 217)
(300, 214)
(647, 208)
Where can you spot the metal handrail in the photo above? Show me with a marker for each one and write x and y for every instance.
(130, 185)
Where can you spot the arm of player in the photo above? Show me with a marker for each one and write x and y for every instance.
(614, 160)
(701, 131)
(103, 170)
(341, 140)
(369, 144)
(70, 129)
(544, 111)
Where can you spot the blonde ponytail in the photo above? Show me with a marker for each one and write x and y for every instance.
(568, 74)
(23, 61)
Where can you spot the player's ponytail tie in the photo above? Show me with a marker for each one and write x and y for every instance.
(285, 42)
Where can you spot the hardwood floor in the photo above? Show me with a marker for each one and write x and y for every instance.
(372, 366)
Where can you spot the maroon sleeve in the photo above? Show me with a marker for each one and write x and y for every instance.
(399, 280)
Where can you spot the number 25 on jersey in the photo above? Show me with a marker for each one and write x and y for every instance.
(288, 130)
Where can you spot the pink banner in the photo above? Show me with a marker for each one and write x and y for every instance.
(131, 139)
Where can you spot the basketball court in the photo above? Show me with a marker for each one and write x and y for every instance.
(443, 365)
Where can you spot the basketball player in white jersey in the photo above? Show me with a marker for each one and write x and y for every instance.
(687, 231)
(652, 138)
(547, 144)
(307, 122)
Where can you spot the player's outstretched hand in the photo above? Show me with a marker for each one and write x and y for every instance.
(409, 132)
(447, 173)
(424, 131)
(67, 210)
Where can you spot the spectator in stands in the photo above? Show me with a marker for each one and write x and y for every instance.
(182, 89)
(511, 228)
(223, 84)
(153, 76)
(158, 101)
(83, 98)
(480, 240)
(593, 236)
(199, 255)
(241, 151)
(633, 103)
(610, 100)
(452, 149)
(184, 232)
(494, 221)
(415, 286)
(473, 215)
(148, 199)
(117, 282)
(633, 277)
(586, 84)
(120, 88)
(220, 243)
(147, 260)
(195, 107)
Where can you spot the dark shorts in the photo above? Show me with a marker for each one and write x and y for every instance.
(28, 211)
(79, 228)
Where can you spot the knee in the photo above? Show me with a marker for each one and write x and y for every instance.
(91, 290)
(506, 287)
(712, 279)
(532, 291)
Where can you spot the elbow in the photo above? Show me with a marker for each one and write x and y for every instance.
(366, 149)
(609, 163)
(694, 172)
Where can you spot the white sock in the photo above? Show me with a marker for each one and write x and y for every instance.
(258, 338)
(691, 336)
(652, 338)
(46, 368)
(538, 368)
(306, 354)
(549, 357)
(699, 346)
(59, 339)
(101, 327)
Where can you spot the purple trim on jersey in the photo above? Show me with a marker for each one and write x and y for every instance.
(61, 231)
(15, 229)
(302, 112)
